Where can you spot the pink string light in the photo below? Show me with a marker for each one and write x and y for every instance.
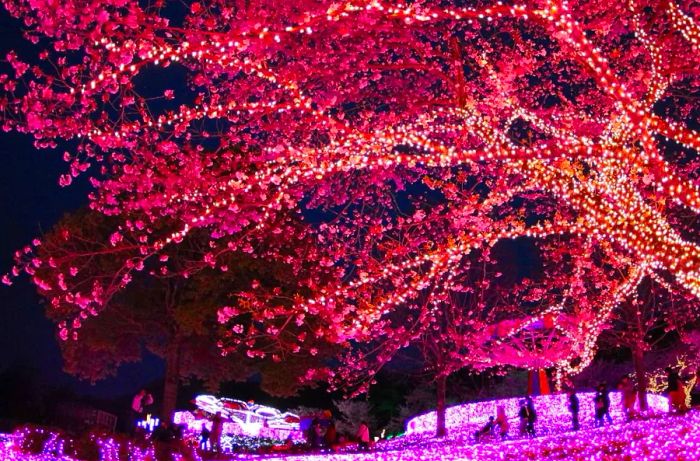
(665, 438)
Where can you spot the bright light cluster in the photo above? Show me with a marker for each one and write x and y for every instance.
(194, 424)
(232, 433)
(56, 448)
(413, 133)
(667, 438)
(553, 414)
(241, 418)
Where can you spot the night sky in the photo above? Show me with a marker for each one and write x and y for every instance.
(32, 201)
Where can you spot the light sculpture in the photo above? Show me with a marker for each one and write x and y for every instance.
(242, 418)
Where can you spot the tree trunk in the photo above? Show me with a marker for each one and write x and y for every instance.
(640, 372)
(441, 384)
(172, 380)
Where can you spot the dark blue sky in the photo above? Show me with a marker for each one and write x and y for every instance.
(31, 202)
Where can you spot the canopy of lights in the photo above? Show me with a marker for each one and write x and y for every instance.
(381, 151)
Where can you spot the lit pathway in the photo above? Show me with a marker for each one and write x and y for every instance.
(669, 438)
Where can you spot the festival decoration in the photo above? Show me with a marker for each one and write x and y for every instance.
(242, 418)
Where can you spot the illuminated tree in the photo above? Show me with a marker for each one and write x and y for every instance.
(404, 136)
(492, 317)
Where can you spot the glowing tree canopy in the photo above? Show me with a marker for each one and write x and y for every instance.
(404, 140)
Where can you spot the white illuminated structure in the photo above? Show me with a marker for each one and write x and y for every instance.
(241, 418)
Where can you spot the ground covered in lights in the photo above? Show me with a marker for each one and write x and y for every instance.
(662, 438)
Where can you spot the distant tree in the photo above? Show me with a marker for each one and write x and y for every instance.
(419, 399)
(652, 317)
(351, 413)
(172, 312)
(304, 411)
(388, 395)
(489, 315)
